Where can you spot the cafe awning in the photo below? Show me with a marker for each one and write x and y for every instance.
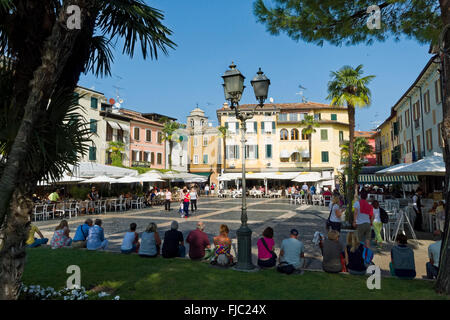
(382, 180)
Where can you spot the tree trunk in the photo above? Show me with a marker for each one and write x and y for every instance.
(13, 250)
(310, 154)
(170, 154)
(443, 279)
(351, 180)
(224, 154)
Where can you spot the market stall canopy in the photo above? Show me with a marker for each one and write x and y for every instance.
(428, 166)
(308, 177)
(150, 176)
(129, 179)
(385, 179)
(90, 169)
(100, 179)
(66, 178)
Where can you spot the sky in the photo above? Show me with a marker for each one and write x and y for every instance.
(210, 34)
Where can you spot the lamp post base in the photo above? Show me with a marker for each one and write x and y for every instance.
(244, 237)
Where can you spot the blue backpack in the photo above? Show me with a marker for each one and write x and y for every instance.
(367, 255)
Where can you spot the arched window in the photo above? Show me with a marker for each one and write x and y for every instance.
(294, 134)
(192, 123)
(202, 123)
(295, 157)
(284, 134)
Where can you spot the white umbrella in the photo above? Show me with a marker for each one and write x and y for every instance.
(150, 177)
(428, 166)
(100, 179)
(128, 180)
(391, 169)
(308, 177)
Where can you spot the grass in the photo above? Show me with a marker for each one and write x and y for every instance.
(133, 277)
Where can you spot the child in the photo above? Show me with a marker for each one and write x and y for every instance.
(130, 240)
(440, 216)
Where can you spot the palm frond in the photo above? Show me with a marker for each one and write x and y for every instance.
(101, 57)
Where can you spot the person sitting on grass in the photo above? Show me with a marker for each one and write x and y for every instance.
(198, 243)
(80, 238)
(61, 236)
(434, 251)
(354, 255)
(222, 243)
(173, 245)
(130, 240)
(150, 242)
(402, 259)
(96, 238)
(292, 251)
(333, 253)
(266, 255)
(33, 242)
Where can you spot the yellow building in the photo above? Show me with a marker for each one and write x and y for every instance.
(387, 140)
(275, 142)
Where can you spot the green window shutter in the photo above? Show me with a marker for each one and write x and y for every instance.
(333, 116)
(324, 134)
(237, 125)
(77, 96)
(94, 103)
(324, 156)
(226, 125)
(341, 136)
(262, 127)
(93, 126)
(237, 152)
(273, 126)
(268, 151)
(205, 159)
(257, 152)
(92, 153)
(255, 126)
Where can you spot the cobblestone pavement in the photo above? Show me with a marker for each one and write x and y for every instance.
(276, 213)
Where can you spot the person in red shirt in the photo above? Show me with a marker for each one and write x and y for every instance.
(198, 241)
(186, 200)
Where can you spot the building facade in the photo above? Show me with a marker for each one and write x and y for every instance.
(370, 138)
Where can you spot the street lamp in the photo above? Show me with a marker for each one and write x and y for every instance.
(233, 89)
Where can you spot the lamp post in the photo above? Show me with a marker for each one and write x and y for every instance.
(233, 88)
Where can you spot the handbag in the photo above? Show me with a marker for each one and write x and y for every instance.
(328, 223)
(274, 255)
(284, 267)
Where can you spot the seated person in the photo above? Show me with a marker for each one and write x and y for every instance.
(292, 251)
(333, 253)
(222, 243)
(173, 245)
(198, 243)
(353, 255)
(434, 251)
(440, 216)
(266, 255)
(433, 208)
(80, 238)
(96, 238)
(130, 240)
(61, 236)
(150, 242)
(402, 257)
(33, 242)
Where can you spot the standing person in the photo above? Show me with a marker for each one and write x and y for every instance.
(130, 241)
(173, 245)
(212, 188)
(378, 212)
(61, 236)
(312, 189)
(402, 259)
(54, 196)
(440, 216)
(80, 238)
(33, 242)
(266, 255)
(96, 238)
(193, 199)
(305, 188)
(92, 196)
(363, 218)
(186, 200)
(334, 220)
(333, 253)
(150, 242)
(198, 242)
(434, 251)
(417, 206)
(206, 189)
(292, 251)
(168, 199)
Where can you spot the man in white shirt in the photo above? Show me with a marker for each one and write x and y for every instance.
(434, 251)
(206, 190)
(305, 188)
(168, 199)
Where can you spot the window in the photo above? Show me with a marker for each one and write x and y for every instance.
(109, 132)
(136, 133)
(426, 101)
(416, 110)
(232, 152)
(160, 137)
(134, 155)
(93, 126)
(305, 136)
(284, 134)
(251, 152)
(148, 135)
(408, 146)
(434, 117)
(325, 156)
(120, 135)
(159, 158)
(268, 151)
(195, 142)
(418, 145)
(295, 157)
(292, 117)
(317, 116)
(283, 117)
(440, 136)
(333, 116)
(407, 118)
(147, 156)
(400, 123)
(192, 123)
(92, 153)
(437, 91)
(94, 103)
(205, 159)
(302, 116)
(341, 136)
(250, 126)
(195, 159)
(152, 158)
(202, 123)
(324, 134)
(429, 136)
(205, 141)
(294, 134)
(181, 161)
(77, 96)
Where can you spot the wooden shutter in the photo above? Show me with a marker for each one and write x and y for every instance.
(262, 127)
(255, 126)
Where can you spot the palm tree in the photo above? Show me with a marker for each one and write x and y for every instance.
(361, 149)
(169, 129)
(348, 87)
(116, 148)
(309, 124)
(46, 58)
(224, 134)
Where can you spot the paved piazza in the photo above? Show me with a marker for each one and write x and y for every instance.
(276, 213)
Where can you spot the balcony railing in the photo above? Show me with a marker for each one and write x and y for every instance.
(144, 164)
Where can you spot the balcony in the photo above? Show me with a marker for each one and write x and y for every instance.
(416, 124)
(143, 164)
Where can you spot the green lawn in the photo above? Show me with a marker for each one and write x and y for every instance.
(133, 277)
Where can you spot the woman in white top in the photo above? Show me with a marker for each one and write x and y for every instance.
(193, 194)
(334, 220)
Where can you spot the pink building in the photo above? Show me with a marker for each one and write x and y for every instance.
(146, 145)
(370, 138)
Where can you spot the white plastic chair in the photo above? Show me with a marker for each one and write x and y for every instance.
(39, 210)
